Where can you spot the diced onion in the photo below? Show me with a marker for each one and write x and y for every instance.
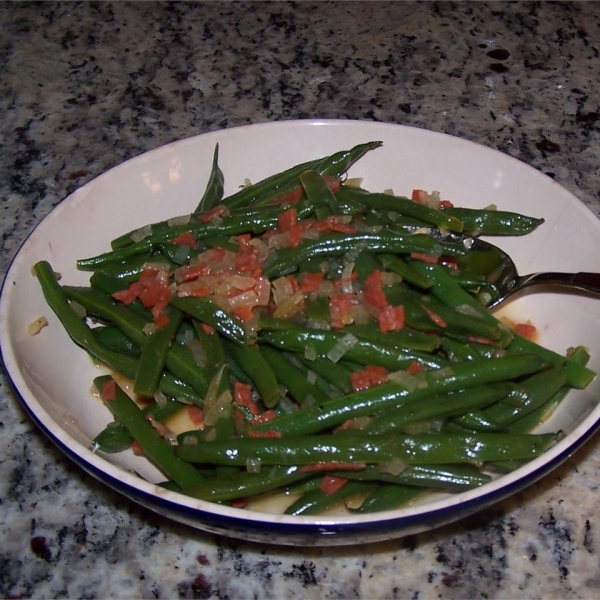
(311, 377)
(468, 310)
(142, 233)
(394, 467)
(341, 347)
(182, 220)
(189, 440)
(310, 352)
(160, 398)
(149, 328)
(287, 405)
(36, 326)
(78, 309)
(253, 465)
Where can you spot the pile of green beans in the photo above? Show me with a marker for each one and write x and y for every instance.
(458, 393)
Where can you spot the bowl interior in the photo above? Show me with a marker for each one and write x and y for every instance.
(53, 376)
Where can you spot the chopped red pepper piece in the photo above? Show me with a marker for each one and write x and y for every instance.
(332, 483)
(311, 282)
(341, 303)
(109, 390)
(391, 318)
(186, 239)
(434, 317)
(373, 291)
(242, 396)
(526, 330)
(368, 377)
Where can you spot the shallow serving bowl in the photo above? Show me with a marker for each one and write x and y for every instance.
(52, 376)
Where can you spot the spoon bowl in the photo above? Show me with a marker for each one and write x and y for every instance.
(502, 280)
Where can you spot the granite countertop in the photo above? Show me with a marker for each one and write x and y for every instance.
(86, 85)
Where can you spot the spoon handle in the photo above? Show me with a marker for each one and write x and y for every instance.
(589, 282)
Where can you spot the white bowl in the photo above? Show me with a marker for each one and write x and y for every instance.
(53, 377)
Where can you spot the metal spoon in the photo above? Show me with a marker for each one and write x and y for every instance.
(501, 273)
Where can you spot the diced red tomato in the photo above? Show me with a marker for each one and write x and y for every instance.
(242, 396)
(414, 368)
(333, 183)
(264, 434)
(186, 239)
(295, 236)
(161, 319)
(244, 313)
(430, 259)
(417, 195)
(373, 291)
(332, 465)
(340, 306)
(449, 261)
(291, 197)
(391, 318)
(478, 339)
(109, 390)
(239, 502)
(127, 296)
(287, 219)
(310, 282)
(208, 329)
(526, 330)
(190, 272)
(268, 415)
(246, 259)
(332, 483)
(368, 377)
(137, 449)
(446, 204)
(196, 415)
(434, 317)
(332, 223)
(209, 215)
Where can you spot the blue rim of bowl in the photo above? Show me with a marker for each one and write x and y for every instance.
(252, 529)
(282, 533)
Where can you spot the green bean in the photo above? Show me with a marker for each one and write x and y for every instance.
(154, 354)
(258, 370)
(213, 194)
(316, 501)
(396, 265)
(291, 377)
(359, 448)
(493, 222)
(113, 338)
(320, 383)
(317, 190)
(156, 448)
(110, 284)
(407, 339)
(212, 344)
(446, 291)
(264, 191)
(368, 402)
(244, 485)
(82, 335)
(364, 351)
(129, 271)
(115, 437)
(178, 360)
(206, 311)
(335, 244)
(336, 374)
(389, 497)
(403, 206)
(441, 477)
(434, 407)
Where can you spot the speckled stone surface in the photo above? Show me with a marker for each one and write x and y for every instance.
(84, 86)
